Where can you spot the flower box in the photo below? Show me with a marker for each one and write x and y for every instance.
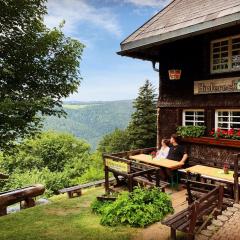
(212, 141)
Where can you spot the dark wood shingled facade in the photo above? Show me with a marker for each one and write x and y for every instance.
(202, 39)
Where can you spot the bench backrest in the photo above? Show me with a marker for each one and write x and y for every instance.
(205, 205)
(117, 164)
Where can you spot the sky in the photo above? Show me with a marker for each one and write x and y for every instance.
(101, 25)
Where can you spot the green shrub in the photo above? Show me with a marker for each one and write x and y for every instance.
(93, 173)
(98, 206)
(116, 141)
(53, 150)
(137, 209)
(191, 131)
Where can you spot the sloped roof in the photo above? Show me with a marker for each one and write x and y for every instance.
(182, 17)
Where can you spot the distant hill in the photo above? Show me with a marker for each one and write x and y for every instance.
(92, 120)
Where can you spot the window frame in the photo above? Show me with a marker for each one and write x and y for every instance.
(194, 121)
(230, 68)
(229, 122)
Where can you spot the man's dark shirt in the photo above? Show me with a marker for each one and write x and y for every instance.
(176, 152)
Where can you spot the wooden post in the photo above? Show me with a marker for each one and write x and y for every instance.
(70, 194)
(130, 183)
(173, 234)
(193, 217)
(236, 175)
(157, 178)
(158, 129)
(3, 211)
(106, 179)
(220, 198)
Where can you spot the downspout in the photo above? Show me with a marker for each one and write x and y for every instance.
(158, 109)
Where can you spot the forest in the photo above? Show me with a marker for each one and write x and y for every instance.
(91, 120)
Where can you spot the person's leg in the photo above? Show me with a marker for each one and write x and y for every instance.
(163, 174)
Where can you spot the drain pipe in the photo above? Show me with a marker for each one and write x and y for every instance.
(158, 109)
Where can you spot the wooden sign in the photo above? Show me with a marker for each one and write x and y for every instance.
(117, 165)
(225, 85)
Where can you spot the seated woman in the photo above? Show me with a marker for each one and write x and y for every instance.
(164, 150)
(177, 152)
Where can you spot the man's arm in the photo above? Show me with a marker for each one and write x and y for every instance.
(185, 157)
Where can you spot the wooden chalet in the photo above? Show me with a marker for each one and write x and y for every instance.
(197, 41)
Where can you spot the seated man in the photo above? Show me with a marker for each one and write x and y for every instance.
(177, 152)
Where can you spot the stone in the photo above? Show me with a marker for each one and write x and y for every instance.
(232, 209)
(236, 205)
(201, 237)
(42, 201)
(217, 223)
(222, 218)
(207, 233)
(227, 213)
(212, 228)
(13, 209)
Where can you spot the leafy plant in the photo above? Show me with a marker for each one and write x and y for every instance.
(98, 206)
(191, 131)
(137, 209)
(53, 181)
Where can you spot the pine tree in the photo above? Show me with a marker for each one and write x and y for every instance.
(142, 129)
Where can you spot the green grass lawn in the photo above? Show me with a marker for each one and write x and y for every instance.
(65, 219)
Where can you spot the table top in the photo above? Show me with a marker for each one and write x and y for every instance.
(215, 173)
(167, 163)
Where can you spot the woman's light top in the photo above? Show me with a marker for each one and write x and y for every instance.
(162, 153)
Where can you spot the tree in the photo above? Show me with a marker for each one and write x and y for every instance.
(115, 141)
(142, 129)
(38, 67)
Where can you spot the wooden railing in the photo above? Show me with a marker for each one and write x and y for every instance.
(121, 165)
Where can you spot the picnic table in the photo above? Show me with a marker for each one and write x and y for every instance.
(211, 173)
(169, 165)
(166, 163)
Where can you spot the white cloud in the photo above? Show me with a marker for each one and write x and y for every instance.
(78, 11)
(148, 3)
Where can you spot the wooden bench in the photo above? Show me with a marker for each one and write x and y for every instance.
(3, 176)
(144, 181)
(77, 190)
(24, 195)
(196, 190)
(191, 219)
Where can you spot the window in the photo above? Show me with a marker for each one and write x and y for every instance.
(194, 117)
(225, 55)
(227, 119)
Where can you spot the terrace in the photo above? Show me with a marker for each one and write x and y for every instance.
(187, 186)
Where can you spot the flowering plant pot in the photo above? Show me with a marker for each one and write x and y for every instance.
(226, 134)
(213, 141)
(153, 154)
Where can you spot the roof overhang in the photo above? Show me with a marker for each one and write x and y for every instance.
(128, 49)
